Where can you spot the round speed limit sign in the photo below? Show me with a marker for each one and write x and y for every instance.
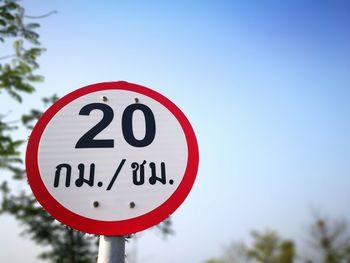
(112, 158)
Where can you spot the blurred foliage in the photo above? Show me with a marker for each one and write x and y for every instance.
(330, 243)
(66, 245)
(166, 227)
(9, 153)
(268, 247)
(16, 79)
(17, 71)
(16, 74)
(331, 240)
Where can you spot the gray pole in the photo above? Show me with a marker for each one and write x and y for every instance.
(111, 249)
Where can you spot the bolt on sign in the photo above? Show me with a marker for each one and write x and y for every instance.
(112, 158)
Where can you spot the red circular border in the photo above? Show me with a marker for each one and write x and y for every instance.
(100, 227)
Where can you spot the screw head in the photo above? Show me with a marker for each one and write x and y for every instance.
(132, 204)
(137, 100)
(95, 204)
(104, 98)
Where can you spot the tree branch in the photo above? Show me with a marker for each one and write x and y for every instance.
(8, 56)
(42, 16)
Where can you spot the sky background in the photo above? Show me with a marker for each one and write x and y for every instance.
(265, 85)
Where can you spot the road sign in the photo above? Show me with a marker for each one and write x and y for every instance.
(112, 158)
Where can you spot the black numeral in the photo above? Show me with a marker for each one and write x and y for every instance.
(87, 140)
(149, 123)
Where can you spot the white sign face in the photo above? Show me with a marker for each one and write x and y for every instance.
(107, 154)
(140, 179)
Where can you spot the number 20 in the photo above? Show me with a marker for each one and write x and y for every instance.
(88, 139)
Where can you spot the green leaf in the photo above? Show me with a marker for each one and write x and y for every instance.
(17, 45)
(35, 78)
(11, 5)
(7, 16)
(2, 22)
(32, 26)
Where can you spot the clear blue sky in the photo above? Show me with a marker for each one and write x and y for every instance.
(266, 86)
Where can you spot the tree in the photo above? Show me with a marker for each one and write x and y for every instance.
(16, 74)
(267, 247)
(331, 240)
(17, 77)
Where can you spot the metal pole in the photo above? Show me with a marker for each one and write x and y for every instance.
(111, 249)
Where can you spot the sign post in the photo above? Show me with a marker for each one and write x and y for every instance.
(111, 249)
(112, 159)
